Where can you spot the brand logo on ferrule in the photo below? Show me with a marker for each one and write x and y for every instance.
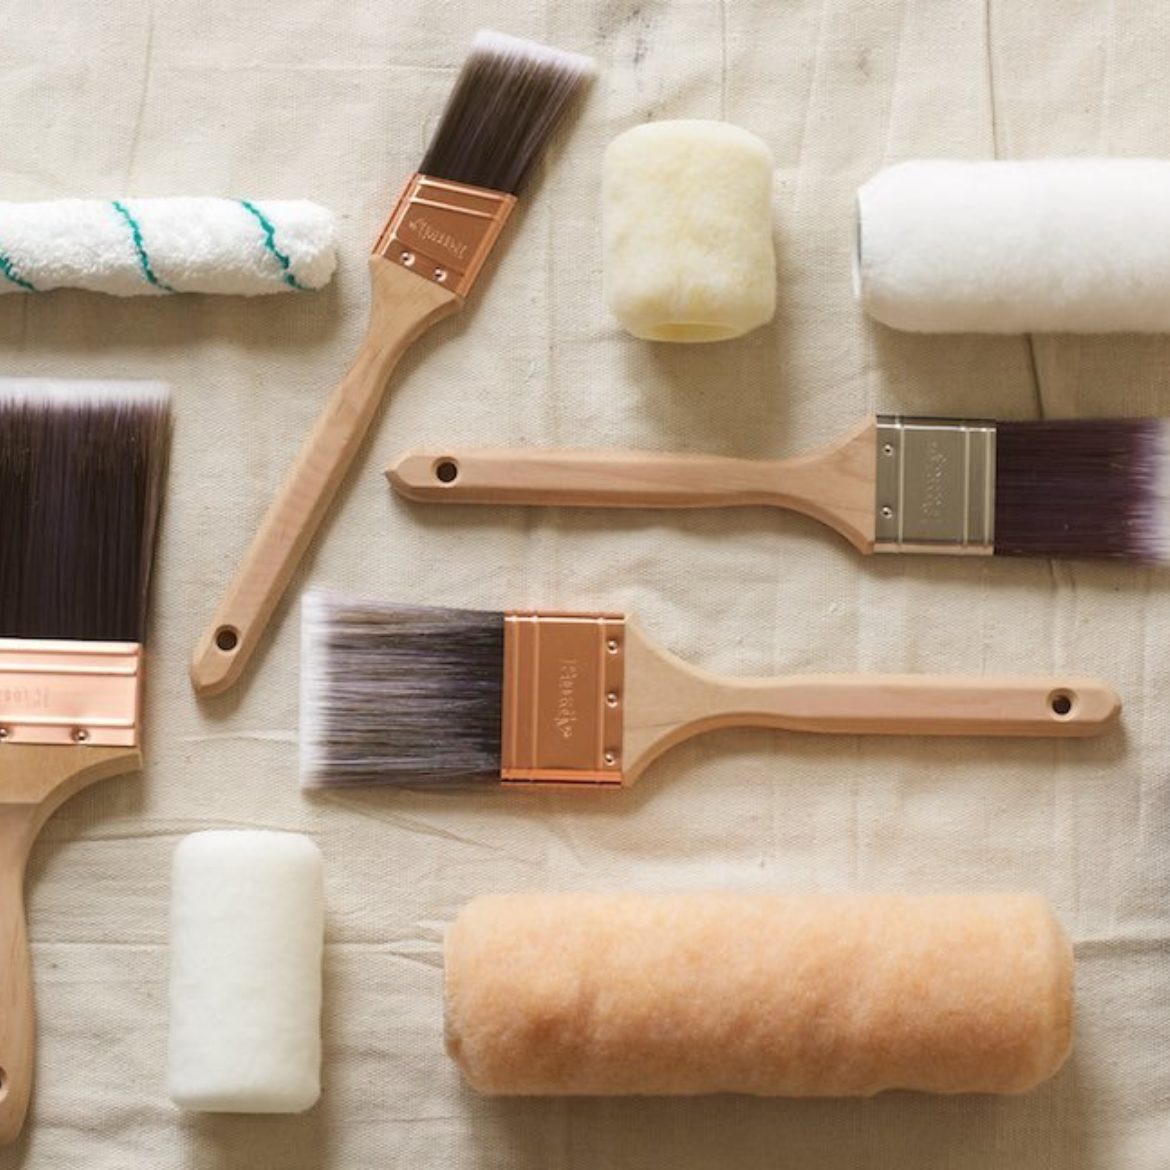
(24, 698)
(565, 720)
(429, 234)
(934, 490)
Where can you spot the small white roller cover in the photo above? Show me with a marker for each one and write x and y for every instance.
(155, 247)
(687, 231)
(247, 928)
(1054, 245)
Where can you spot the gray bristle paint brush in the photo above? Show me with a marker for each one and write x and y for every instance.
(1071, 488)
(507, 101)
(81, 473)
(426, 697)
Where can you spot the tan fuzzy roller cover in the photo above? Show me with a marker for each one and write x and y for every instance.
(771, 994)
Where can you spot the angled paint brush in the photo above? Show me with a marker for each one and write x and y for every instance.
(425, 697)
(1070, 488)
(81, 472)
(508, 99)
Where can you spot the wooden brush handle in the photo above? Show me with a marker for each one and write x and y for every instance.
(834, 485)
(916, 705)
(686, 702)
(610, 479)
(34, 781)
(404, 305)
(18, 830)
(667, 701)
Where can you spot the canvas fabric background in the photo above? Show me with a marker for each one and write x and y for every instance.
(336, 102)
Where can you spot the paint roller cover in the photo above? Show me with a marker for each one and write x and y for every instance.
(247, 929)
(768, 994)
(1053, 245)
(687, 231)
(154, 247)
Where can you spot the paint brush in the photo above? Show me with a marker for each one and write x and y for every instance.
(427, 697)
(507, 101)
(1097, 488)
(81, 472)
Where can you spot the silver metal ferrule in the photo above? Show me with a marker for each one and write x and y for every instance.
(935, 485)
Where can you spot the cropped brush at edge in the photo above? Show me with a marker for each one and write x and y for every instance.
(422, 697)
(1093, 488)
(81, 471)
(509, 98)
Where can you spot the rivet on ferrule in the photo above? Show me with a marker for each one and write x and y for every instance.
(562, 714)
(444, 231)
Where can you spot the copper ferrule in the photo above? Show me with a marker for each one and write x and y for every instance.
(563, 699)
(57, 692)
(444, 231)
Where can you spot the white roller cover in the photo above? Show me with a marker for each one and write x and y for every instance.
(247, 926)
(1054, 245)
(155, 247)
(687, 231)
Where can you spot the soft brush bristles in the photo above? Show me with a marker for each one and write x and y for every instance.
(81, 471)
(1083, 488)
(505, 105)
(403, 695)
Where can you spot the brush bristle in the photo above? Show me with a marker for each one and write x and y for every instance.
(509, 97)
(1083, 488)
(399, 695)
(81, 470)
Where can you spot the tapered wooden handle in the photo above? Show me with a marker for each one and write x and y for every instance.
(404, 305)
(668, 701)
(610, 479)
(834, 484)
(18, 828)
(34, 781)
(919, 705)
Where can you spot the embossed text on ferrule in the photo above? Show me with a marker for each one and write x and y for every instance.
(566, 716)
(26, 698)
(425, 231)
(934, 477)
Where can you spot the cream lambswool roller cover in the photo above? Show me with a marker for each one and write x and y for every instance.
(687, 231)
(769, 994)
(247, 927)
(1054, 245)
(152, 247)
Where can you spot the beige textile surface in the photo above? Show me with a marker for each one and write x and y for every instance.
(335, 102)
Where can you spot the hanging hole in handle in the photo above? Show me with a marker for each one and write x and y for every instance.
(1061, 703)
(227, 639)
(446, 470)
(3, 1083)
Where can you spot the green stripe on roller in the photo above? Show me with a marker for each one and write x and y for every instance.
(270, 243)
(8, 270)
(140, 248)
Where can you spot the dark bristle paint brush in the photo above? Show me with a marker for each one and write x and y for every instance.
(507, 101)
(1069, 488)
(81, 475)
(434, 698)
